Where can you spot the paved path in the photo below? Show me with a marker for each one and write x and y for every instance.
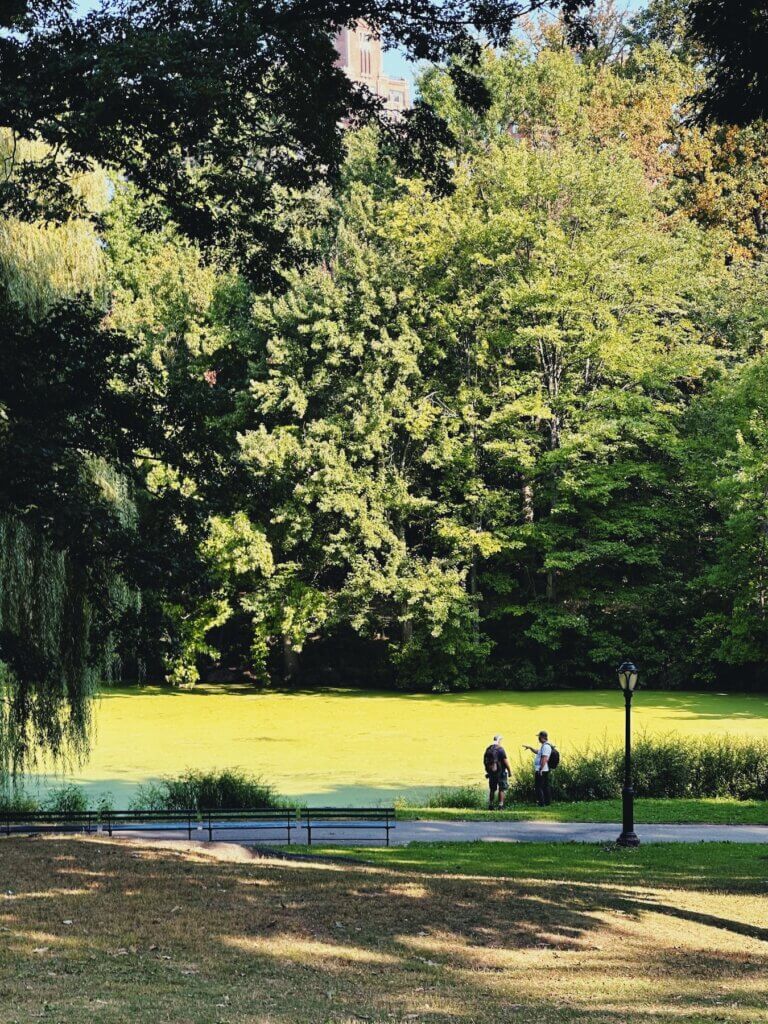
(495, 832)
(568, 832)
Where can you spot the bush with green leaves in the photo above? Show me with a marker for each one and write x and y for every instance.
(67, 799)
(149, 796)
(463, 797)
(229, 789)
(709, 766)
(663, 767)
(16, 801)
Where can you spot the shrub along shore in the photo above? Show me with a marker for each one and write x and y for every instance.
(672, 767)
(691, 771)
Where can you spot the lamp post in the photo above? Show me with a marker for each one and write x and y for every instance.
(628, 682)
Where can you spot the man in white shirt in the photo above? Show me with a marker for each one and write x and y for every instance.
(541, 768)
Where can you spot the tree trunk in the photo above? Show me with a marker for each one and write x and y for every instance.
(290, 662)
(527, 492)
(407, 626)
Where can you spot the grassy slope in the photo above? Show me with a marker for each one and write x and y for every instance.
(647, 812)
(347, 746)
(109, 932)
(724, 867)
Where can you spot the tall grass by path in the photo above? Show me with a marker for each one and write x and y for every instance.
(235, 791)
(720, 811)
(228, 789)
(673, 767)
(674, 775)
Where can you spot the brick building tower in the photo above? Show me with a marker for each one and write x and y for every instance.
(361, 57)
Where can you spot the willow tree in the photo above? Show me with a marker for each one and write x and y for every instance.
(71, 422)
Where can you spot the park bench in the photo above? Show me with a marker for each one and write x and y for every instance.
(261, 821)
(191, 822)
(335, 820)
(25, 822)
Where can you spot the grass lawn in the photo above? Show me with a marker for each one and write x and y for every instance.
(355, 746)
(647, 812)
(720, 867)
(498, 933)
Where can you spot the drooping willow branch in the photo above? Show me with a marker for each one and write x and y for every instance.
(54, 649)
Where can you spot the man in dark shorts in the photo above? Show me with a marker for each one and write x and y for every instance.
(497, 769)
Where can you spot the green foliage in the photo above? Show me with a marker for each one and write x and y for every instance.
(41, 264)
(51, 663)
(670, 767)
(13, 798)
(228, 789)
(67, 520)
(201, 142)
(463, 797)
(69, 799)
(103, 803)
(149, 796)
(468, 416)
(66, 799)
(663, 767)
(727, 472)
(498, 433)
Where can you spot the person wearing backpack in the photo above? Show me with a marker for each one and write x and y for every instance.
(545, 758)
(497, 769)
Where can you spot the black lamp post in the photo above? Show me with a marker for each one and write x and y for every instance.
(628, 682)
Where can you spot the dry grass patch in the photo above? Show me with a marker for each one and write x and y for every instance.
(92, 930)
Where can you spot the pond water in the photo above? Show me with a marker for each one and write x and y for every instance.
(357, 746)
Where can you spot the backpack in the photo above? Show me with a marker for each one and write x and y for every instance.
(554, 758)
(490, 761)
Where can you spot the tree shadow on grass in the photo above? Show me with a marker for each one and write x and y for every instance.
(695, 917)
(159, 934)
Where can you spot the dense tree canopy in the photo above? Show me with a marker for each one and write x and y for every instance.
(220, 111)
(731, 37)
(468, 413)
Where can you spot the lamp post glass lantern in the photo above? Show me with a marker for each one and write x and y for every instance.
(628, 681)
(627, 676)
